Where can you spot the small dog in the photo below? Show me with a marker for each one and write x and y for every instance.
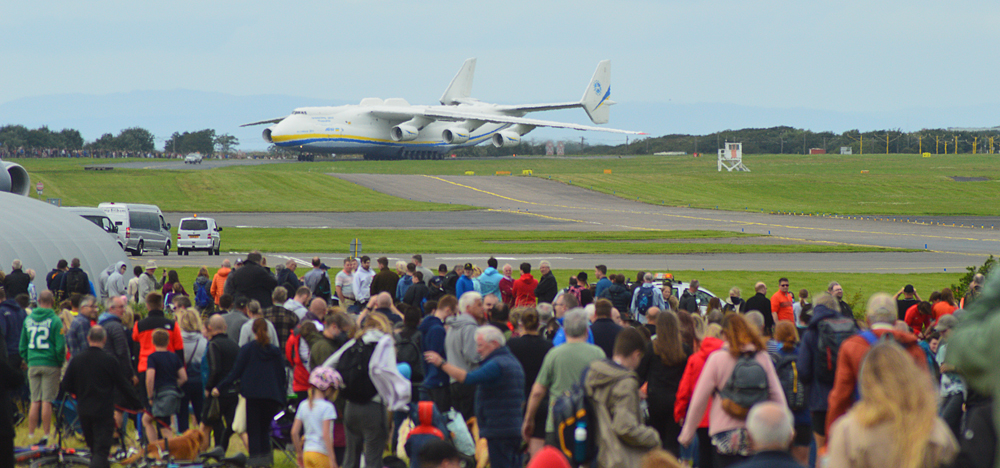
(482, 449)
(186, 446)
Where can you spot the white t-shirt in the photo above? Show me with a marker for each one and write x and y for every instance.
(312, 423)
(344, 280)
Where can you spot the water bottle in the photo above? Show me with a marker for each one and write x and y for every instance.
(580, 435)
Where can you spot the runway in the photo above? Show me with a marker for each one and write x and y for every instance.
(539, 204)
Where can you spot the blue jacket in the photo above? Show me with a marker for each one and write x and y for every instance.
(11, 322)
(560, 336)
(499, 382)
(602, 284)
(261, 372)
(808, 348)
(463, 285)
(489, 282)
(402, 285)
(770, 459)
(433, 333)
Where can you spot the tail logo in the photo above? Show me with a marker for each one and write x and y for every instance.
(597, 87)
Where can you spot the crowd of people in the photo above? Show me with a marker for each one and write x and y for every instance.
(388, 364)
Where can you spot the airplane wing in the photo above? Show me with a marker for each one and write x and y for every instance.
(262, 122)
(443, 113)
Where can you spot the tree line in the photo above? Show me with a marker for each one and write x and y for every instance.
(131, 139)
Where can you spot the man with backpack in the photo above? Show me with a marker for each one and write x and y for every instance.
(817, 360)
(881, 314)
(644, 297)
(75, 281)
(613, 386)
(499, 382)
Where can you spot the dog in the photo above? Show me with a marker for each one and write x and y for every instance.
(186, 446)
(482, 449)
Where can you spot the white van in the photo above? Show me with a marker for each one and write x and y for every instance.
(143, 225)
(101, 219)
(198, 234)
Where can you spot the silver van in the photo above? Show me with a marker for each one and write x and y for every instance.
(143, 225)
(101, 219)
(198, 234)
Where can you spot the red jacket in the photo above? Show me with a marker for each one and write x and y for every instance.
(852, 352)
(524, 290)
(691, 373)
(918, 321)
(300, 375)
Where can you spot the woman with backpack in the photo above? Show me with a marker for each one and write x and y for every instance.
(169, 289)
(662, 367)
(202, 292)
(737, 378)
(787, 335)
(895, 421)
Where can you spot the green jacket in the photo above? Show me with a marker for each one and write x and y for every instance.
(42, 342)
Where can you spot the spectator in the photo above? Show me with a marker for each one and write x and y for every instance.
(689, 298)
(586, 294)
(261, 371)
(286, 276)
(460, 344)
(604, 329)
(714, 305)
(618, 294)
(382, 303)
(220, 356)
(530, 350)
(312, 431)
(662, 368)
(786, 334)
(385, 280)
(818, 378)
(116, 285)
(603, 282)
(252, 280)
(436, 384)
(148, 284)
(283, 320)
(685, 389)
(164, 373)
(297, 304)
(835, 290)
(43, 349)
(170, 288)
(202, 292)
(769, 427)
(920, 318)
(644, 297)
(11, 380)
(75, 281)
(953, 387)
(362, 282)
(489, 281)
(524, 287)
(12, 317)
(735, 303)
(246, 331)
(17, 281)
(781, 303)
(946, 305)
(417, 293)
(54, 278)
(76, 338)
(337, 330)
(418, 260)
(499, 382)
(547, 286)
(973, 291)
(195, 345)
(236, 317)
(727, 430)
(622, 437)
(673, 304)
(894, 424)
(318, 280)
(344, 283)
(506, 285)
(560, 370)
(118, 345)
(910, 299)
(133, 285)
(219, 282)
(881, 314)
(762, 304)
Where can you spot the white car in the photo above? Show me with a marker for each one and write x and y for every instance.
(679, 287)
(193, 158)
(198, 234)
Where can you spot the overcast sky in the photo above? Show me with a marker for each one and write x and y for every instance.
(839, 56)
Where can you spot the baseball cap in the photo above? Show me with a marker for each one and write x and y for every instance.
(946, 322)
(151, 265)
(468, 266)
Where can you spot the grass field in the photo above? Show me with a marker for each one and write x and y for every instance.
(513, 242)
(895, 184)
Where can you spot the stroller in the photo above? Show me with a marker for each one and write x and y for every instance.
(281, 431)
(67, 419)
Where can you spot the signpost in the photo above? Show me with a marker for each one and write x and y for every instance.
(355, 248)
(39, 187)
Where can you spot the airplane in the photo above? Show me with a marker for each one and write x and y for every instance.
(394, 129)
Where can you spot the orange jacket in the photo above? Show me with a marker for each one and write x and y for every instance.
(852, 352)
(142, 333)
(781, 304)
(219, 282)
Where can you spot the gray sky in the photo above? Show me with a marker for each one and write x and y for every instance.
(845, 56)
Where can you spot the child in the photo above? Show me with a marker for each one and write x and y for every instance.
(315, 415)
(164, 371)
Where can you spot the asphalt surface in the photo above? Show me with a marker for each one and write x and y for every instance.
(514, 203)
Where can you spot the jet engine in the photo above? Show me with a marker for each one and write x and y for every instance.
(404, 132)
(14, 179)
(455, 135)
(506, 139)
(267, 135)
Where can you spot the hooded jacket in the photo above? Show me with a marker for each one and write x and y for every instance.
(432, 330)
(116, 284)
(11, 322)
(219, 283)
(489, 282)
(102, 281)
(42, 342)
(261, 372)
(691, 373)
(818, 391)
(622, 438)
(852, 352)
(524, 290)
(460, 343)
(619, 296)
(402, 286)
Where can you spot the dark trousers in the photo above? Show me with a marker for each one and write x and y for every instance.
(722, 461)
(463, 399)
(706, 451)
(194, 393)
(7, 451)
(951, 412)
(441, 396)
(505, 452)
(260, 413)
(222, 430)
(98, 431)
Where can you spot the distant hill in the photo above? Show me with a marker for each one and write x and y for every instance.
(165, 112)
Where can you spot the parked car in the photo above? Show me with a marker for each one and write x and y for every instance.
(193, 158)
(101, 219)
(198, 234)
(144, 227)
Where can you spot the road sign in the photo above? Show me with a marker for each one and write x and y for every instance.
(39, 187)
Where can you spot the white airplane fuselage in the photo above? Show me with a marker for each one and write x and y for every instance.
(354, 130)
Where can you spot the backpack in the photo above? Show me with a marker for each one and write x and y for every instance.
(643, 300)
(576, 290)
(323, 287)
(76, 282)
(571, 410)
(788, 374)
(407, 351)
(353, 367)
(831, 332)
(201, 296)
(747, 386)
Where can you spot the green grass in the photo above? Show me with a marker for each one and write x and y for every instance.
(895, 184)
(221, 189)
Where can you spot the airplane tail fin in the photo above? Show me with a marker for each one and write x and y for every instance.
(461, 85)
(597, 98)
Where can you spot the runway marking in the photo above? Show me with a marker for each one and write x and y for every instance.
(715, 220)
